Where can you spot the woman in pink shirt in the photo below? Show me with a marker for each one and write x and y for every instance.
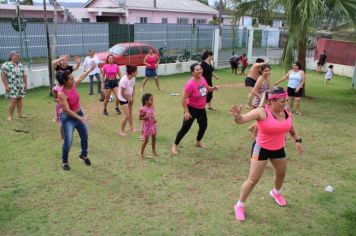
(193, 102)
(273, 121)
(110, 73)
(151, 61)
(72, 116)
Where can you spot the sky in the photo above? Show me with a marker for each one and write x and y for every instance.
(210, 1)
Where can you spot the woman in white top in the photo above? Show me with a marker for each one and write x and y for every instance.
(88, 61)
(126, 97)
(296, 80)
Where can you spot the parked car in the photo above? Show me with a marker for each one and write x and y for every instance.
(127, 53)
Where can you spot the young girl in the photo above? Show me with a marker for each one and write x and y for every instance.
(57, 118)
(329, 74)
(126, 97)
(149, 128)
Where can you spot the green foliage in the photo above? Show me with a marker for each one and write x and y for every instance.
(191, 194)
(206, 2)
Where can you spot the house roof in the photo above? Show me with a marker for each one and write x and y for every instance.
(166, 5)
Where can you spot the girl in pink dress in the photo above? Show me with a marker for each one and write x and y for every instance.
(57, 118)
(149, 128)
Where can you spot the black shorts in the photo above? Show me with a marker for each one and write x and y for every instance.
(249, 82)
(321, 63)
(292, 93)
(233, 65)
(123, 102)
(262, 154)
(110, 84)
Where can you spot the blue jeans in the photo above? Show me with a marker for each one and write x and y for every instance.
(68, 125)
(91, 79)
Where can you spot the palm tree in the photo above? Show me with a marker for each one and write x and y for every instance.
(302, 18)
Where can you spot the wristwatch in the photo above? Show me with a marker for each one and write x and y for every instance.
(298, 140)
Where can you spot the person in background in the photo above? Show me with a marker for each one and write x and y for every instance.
(296, 80)
(273, 121)
(88, 61)
(208, 74)
(322, 61)
(329, 73)
(251, 79)
(111, 74)
(151, 61)
(72, 116)
(244, 63)
(149, 123)
(62, 63)
(234, 63)
(15, 82)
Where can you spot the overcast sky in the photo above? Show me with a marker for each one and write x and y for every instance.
(210, 1)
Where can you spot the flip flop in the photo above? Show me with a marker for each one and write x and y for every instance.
(21, 130)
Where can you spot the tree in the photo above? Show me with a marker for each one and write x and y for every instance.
(302, 18)
(206, 2)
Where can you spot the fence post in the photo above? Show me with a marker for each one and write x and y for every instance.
(250, 44)
(216, 43)
(354, 77)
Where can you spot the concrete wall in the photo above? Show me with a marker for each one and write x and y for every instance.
(38, 78)
(341, 70)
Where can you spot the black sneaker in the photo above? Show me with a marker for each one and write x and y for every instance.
(65, 166)
(91, 93)
(117, 110)
(86, 160)
(105, 113)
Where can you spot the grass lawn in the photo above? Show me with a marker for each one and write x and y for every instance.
(191, 194)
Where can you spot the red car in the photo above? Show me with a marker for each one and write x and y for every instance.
(127, 53)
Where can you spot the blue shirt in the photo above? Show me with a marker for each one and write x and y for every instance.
(295, 79)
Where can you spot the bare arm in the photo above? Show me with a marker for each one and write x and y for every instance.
(256, 114)
(56, 62)
(285, 77)
(123, 90)
(65, 108)
(84, 75)
(211, 89)
(297, 139)
(158, 61)
(4, 81)
(257, 87)
(25, 80)
(145, 61)
(77, 63)
(302, 83)
(184, 97)
(119, 74)
(215, 76)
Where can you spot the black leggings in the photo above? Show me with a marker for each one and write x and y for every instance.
(209, 96)
(200, 115)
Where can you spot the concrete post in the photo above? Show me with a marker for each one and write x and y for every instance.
(250, 44)
(216, 43)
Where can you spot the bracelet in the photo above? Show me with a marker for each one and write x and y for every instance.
(298, 140)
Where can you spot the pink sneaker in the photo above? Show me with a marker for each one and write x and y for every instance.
(278, 198)
(239, 213)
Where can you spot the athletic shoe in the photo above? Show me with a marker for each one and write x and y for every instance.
(65, 166)
(278, 198)
(86, 160)
(105, 113)
(117, 110)
(239, 213)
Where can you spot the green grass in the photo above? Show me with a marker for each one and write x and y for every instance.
(191, 194)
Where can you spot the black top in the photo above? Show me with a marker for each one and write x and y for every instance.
(207, 72)
(322, 58)
(70, 68)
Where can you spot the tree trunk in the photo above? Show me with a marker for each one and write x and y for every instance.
(49, 57)
(302, 49)
(55, 35)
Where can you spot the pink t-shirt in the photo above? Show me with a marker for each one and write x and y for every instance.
(129, 86)
(151, 60)
(197, 92)
(110, 71)
(272, 132)
(72, 97)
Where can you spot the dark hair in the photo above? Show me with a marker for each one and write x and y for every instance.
(274, 90)
(91, 50)
(145, 98)
(264, 67)
(331, 66)
(206, 54)
(297, 63)
(62, 76)
(130, 69)
(107, 58)
(243, 54)
(259, 60)
(192, 66)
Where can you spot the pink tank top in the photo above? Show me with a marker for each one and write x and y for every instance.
(272, 132)
(72, 97)
(151, 60)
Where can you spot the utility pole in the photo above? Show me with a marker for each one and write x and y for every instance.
(49, 57)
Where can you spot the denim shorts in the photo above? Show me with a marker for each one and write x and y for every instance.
(150, 72)
(110, 83)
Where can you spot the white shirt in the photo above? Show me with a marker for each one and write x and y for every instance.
(129, 86)
(329, 74)
(87, 64)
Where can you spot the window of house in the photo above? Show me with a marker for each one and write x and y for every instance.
(200, 21)
(183, 21)
(85, 20)
(164, 20)
(143, 20)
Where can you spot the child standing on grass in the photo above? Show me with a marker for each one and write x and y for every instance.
(149, 127)
(57, 118)
(329, 73)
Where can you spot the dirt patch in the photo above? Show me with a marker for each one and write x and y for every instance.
(232, 85)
